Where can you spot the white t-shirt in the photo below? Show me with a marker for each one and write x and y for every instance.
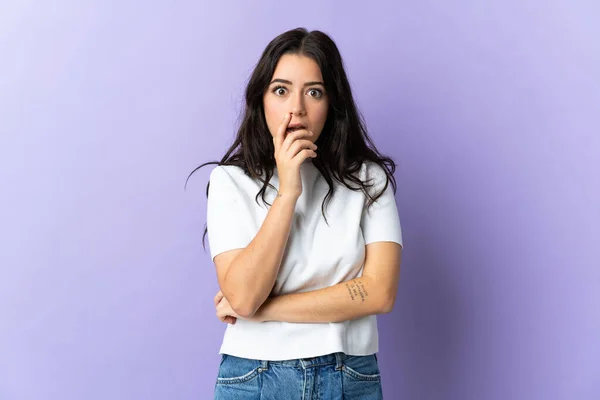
(316, 255)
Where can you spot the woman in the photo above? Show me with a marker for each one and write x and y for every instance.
(303, 273)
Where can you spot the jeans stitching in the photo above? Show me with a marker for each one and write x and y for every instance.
(358, 375)
(240, 379)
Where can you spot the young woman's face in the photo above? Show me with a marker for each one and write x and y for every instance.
(296, 87)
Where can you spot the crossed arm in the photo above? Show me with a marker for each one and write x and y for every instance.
(372, 293)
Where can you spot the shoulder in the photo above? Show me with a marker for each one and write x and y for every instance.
(226, 173)
(234, 180)
(227, 179)
(375, 176)
(372, 171)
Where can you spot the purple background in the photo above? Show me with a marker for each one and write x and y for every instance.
(490, 109)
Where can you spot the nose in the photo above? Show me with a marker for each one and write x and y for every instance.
(297, 104)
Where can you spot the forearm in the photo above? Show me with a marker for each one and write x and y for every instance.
(348, 300)
(252, 274)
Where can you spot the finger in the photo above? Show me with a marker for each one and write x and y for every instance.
(224, 317)
(297, 135)
(280, 134)
(218, 297)
(303, 155)
(222, 314)
(300, 146)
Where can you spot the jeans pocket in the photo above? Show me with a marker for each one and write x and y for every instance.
(236, 370)
(363, 368)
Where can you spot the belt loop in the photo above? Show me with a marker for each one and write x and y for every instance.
(338, 361)
(264, 364)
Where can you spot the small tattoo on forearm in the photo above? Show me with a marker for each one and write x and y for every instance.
(357, 289)
(362, 291)
(350, 291)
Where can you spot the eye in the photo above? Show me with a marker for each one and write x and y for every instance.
(279, 90)
(316, 93)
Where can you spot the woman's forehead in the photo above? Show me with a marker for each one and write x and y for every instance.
(297, 69)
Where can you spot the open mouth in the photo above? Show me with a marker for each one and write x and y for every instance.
(294, 127)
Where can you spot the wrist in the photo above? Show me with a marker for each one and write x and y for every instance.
(283, 195)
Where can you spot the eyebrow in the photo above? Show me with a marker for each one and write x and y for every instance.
(289, 82)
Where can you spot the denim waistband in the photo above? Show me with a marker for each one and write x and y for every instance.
(334, 358)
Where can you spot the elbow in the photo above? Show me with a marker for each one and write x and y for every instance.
(242, 301)
(387, 304)
(244, 311)
(245, 308)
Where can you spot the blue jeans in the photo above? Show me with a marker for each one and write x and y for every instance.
(334, 376)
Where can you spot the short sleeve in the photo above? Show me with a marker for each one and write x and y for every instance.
(229, 220)
(381, 222)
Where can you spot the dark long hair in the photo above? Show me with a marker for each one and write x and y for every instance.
(344, 144)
